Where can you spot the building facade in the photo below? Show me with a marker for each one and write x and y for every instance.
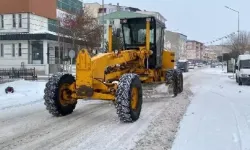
(182, 43)
(108, 14)
(209, 54)
(176, 42)
(97, 9)
(157, 15)
(28, 35)
(93, 8)
(194, 50)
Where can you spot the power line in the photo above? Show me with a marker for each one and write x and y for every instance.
(221, 38)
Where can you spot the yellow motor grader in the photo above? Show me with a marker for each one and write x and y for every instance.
(117, 75)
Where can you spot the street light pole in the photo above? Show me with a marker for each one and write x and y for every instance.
(238, 26)
(238, 21)
(222, 60)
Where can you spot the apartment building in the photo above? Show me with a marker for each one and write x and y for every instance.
(155, 14)
(97, 10)
(176, 42)
(210, 54)
(28, 35)
(93, 8)
(182, 43)
(194, 50)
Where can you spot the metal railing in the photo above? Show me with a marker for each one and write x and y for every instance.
(18, 73)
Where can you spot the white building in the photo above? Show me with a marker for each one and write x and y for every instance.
(157, 15)
(176, 42)
(28, 35)
(93, 8)
(97, 10)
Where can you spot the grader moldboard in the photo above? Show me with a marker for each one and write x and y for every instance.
(118, 74)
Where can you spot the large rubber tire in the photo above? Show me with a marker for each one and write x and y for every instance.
(180, 81)
(123, 98)
(172, 78)
(51, 95)
(239, 81)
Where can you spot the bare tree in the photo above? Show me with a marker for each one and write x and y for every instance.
(239, 43)
(82, 27)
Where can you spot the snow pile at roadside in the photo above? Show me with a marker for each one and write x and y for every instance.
(218, 117)
(217, 71)
(26, 92)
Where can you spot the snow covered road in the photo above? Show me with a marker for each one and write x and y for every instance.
(94, 125)
(218, 117)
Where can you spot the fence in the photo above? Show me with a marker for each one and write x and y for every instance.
(18, 73)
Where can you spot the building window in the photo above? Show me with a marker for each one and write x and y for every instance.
(102, 10)
(20, 20)
(20, 49)
(1, 48)
(52, 25)
(14, 20)
(37, 52)
(74, 6)
(13, 50)
(2, 21)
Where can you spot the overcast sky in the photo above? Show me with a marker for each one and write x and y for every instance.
(202, 20)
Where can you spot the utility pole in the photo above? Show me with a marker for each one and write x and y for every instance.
(103, 42)
(238, 22)
(222, 55)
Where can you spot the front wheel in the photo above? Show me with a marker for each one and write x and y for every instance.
(129, 98)
(54, 95)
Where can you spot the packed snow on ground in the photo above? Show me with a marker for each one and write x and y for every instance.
(218, 117)
(26, 124)
(25, 92)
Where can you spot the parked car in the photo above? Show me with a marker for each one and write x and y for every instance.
(212, 65)
(182, 65)
(191, 66)
(242, 68)
(199, 65)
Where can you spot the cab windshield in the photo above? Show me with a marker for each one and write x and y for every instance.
(245, 64)
(134, 33)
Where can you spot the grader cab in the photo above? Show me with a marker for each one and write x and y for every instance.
(118, 75)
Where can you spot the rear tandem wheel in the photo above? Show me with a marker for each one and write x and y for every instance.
(180, 81)
(172, 80)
